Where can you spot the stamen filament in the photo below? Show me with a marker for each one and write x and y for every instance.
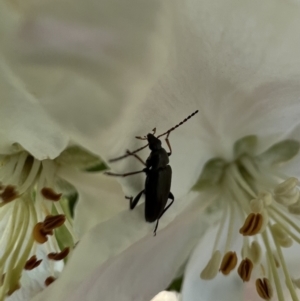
(237, 194)
(18, 169)
(30, 178)
(273, 267)
(288, 220)
(285, 270)
(240, 180)
(230, 227)
(286, 229)
(224, 209)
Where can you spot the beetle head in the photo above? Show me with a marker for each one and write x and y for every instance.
(154, 143)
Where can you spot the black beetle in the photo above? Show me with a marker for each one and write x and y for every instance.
(158, 176)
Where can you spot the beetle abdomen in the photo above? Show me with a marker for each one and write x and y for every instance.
(157, 189)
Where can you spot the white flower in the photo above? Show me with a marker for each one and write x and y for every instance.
(36, 156)
(238, 63)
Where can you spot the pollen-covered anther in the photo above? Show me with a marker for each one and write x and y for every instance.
(32, 263)
(39, 234)
(212, 267)
(252, 225)
(53, 221)
(245, 269)
(264, 288)
(49, 280)
(281, 236)
(60, 255)
(228, 263)
(9, 194)
(49, 194)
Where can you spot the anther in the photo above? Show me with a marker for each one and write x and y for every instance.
(38, 234)
(245, 269)
(212, 267)
(257, 205)
(9, 194)
(264, 288)
(53, 221)
(228, 263)
(281, 236)
(32, 263)
(266, 197)
(49, 280)
(287, 193)
(255, 252)
(252, 225)
(49, 194)
(60, 255)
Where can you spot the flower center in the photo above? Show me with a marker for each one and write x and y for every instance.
(253, 193)
(32, 218)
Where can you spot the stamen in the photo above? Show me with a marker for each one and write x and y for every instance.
(60, 255)
(229, 262)
(252, 225)
(9, 194)
(50, 194)
(49, 280)
(264, 288)
(281, 236)
(273, 267)
(245, 269)
(39, 234)
(287, 193)
(266, 197)
(257, 205)
(53, 221)
(212, 267)
(285, 270)
(32, 263)
(255, 252)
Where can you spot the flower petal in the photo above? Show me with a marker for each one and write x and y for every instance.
(32, 282)
(166, 296)
(111, 52)
(24, 122)
(100, 198)
(137, 273)
(237, 67)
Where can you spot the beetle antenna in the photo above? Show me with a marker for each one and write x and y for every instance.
(167, 132)
(127, 155)
(179, 124)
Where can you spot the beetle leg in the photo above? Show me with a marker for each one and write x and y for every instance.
(136, 156)
(169, 145)
(171, 196)
(133, 203)
(123, 174)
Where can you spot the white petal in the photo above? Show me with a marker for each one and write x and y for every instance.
(237, 66)
(100, 198)
(166, 296)
(112, 50)
(137, 273)
(24, 122)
